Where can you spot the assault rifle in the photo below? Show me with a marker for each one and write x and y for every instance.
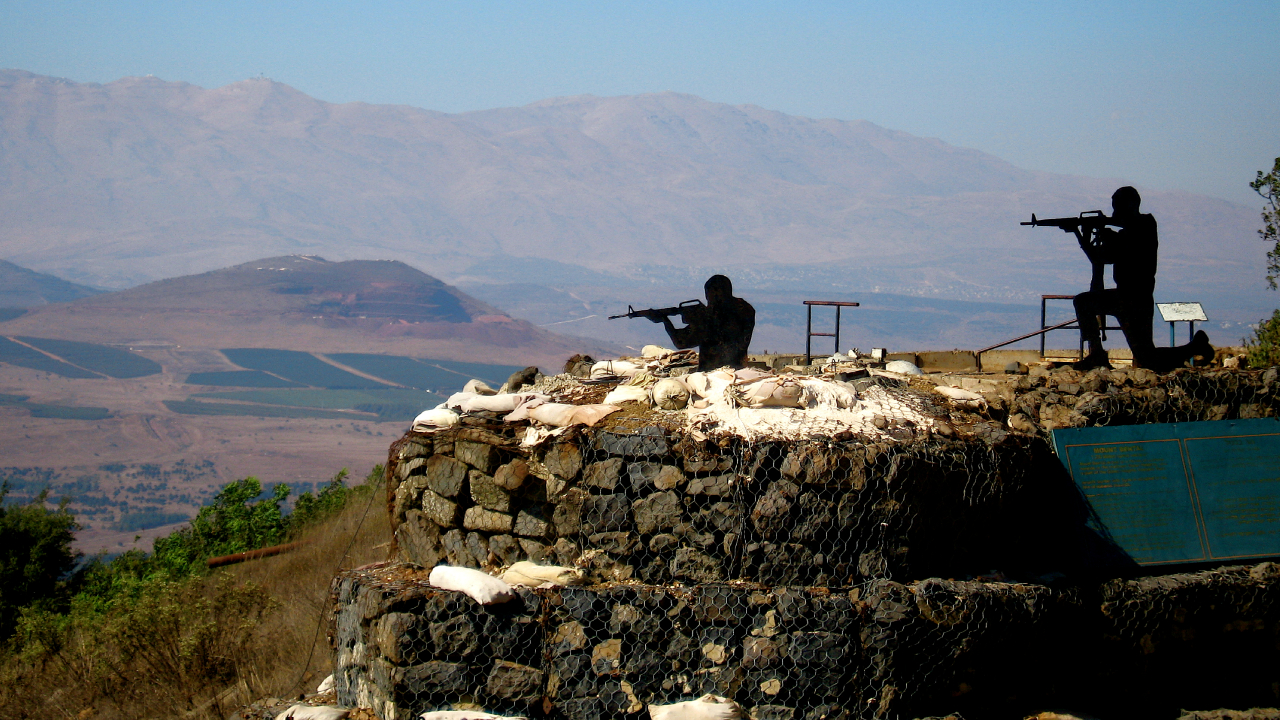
(658, 314)
(1085, 227)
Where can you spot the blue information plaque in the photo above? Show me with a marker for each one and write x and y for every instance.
(1181, 492)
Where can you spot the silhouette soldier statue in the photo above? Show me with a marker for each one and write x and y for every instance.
(1131, 252)
(721, 329)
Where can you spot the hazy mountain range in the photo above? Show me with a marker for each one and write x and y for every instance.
(565, 207)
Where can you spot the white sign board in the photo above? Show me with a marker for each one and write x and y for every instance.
(1173, 312)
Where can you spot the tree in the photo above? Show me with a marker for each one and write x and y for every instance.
(232, 523)
(1268, 187)
(35, 555)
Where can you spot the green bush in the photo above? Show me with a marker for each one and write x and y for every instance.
(35, 555)
(234, 522)
(1264, 347)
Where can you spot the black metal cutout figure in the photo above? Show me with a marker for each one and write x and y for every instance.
(721, 329)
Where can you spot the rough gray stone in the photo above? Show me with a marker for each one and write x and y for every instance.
(567, 515)
(454, 638)
(439, 510)
(392, 636)
(478, 545)
(602, 513)
(760, 652)
(659, 511)
(406, 468)
(616, 543)
(515, 683)
(445, 475)
(716, 485)
(567, 551)
(419, 539)
(456, 551)
(771, 515)
(408, 495)
(486, 493)
(480, 456)
(434, 678)
(669, 478)
(477, 518)
(530, 523)
(536, 551)
(506, 549)
(663, 542)
(604, 474)
(690, 564)
(511, 476)
(564, 460)
(648, 441)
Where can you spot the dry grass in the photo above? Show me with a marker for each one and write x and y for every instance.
(202, 649)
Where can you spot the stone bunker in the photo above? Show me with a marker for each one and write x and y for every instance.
(919, 569)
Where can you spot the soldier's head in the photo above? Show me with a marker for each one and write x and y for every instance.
(719, 289)
(1125, 201)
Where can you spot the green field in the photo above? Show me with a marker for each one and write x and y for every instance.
(440, 376)
(299, 367)
(239, 378)
(23, 356)
(60, 412)
(109, 361)
(195, 407)
(387, 404)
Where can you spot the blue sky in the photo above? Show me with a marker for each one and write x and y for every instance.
(1163, 95)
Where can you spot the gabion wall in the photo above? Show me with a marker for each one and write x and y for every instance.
(1138, 648)
(640, 504)
(789, 575)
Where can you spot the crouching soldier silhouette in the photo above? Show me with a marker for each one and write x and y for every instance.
(1131, 251)
(721, 329)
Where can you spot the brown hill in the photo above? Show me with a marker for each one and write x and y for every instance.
(305, 302)
(20, 287)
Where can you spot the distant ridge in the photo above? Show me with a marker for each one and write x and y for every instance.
(21, 288)
(307, 303)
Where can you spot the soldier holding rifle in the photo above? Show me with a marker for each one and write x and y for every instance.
(1131, 251)
(721, 329)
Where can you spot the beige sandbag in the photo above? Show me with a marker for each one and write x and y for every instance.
(670, 394)
(465, 715)
(562, 414)
(478, 387)
(768, 391)
(533, 575)
(628, 393)
(962, 398)
(654, 351)
(707, 707)
(313, 712)
(623, 368)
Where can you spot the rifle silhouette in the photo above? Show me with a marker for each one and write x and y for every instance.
(1085, 226)
(658, 314)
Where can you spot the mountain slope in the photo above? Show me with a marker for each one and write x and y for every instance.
(306, 303)
(140, 178)
(20, 287)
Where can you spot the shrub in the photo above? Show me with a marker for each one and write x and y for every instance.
(1264, 347)
(35, 555)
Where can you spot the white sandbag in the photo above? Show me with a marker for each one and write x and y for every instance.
(466, 715)
(670, 394)
(768, 391)
(623, 368)
(628, 393)
(501, 403)
(654, 351)
(435, 419)
(533, 575)
(326, 685)
(962, 398)
(313, 712)
(481, 587)
(479, 387)
(562, 414)
(707, 707)
(902, 367)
